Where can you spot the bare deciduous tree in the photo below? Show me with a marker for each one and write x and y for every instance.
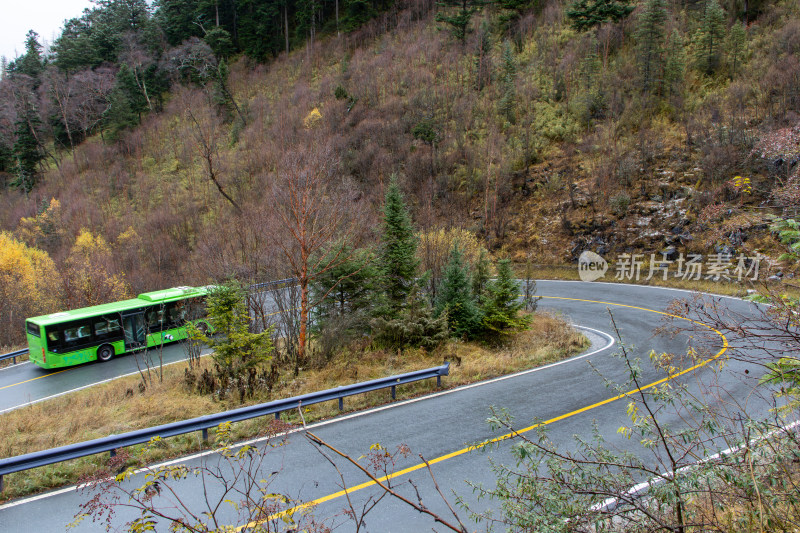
(207, 131)
(317, 218)
(138, 59)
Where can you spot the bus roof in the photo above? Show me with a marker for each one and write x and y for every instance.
(144, 299)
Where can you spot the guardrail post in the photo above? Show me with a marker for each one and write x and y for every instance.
(15, 359)
(341, 403)
(394, 397)
(112, 453)
(278, 415)
(205, 435)
(438, 381)
(1, 483)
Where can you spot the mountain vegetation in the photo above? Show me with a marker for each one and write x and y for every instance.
(154, 143)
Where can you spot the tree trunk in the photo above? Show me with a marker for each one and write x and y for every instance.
(286, 25)
(301, 341)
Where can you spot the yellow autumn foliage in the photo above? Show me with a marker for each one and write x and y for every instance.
(434, 247)
(91, 277)
(30, 286)
(44, 229)
(312, 118)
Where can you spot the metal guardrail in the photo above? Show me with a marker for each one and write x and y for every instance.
(270, 284)
(204, 423)
(13, 355)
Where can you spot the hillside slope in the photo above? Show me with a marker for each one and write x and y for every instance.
(541, 139)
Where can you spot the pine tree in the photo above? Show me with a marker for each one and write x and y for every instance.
(415, 326)
(220, 42)
(675, 65)
(235, 349)
(501, 307)
(509, 75)
(126, 82)
(119, 114)
(650, 45)
(27, 151)
(31, 63)
(585, 14)
(710, 38)
(456, 299)
(514, 9)
(398, 260)
(459, 18)
(737, 38)
(482, 274)
(348, 290)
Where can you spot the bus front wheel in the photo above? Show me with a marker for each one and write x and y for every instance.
(105, 353)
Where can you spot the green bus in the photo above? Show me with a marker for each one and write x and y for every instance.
(103, 331)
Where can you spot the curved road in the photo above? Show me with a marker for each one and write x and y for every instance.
(567, 395)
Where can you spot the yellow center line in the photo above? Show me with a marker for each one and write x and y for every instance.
(323, 499)
(34, 379)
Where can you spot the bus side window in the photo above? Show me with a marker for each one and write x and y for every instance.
(53, 338)
(106, 327)
(176, 314)
(77, 333)
(155, 318)
(71, 334)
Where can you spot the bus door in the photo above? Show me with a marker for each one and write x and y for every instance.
(133, 325)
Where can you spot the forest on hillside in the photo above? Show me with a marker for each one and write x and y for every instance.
(152, 146)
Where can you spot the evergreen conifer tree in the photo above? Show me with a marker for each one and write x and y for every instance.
(675, 65)
(482, 274)
(737, 37)
(710, 38)
(236, 349)
(31, 64)
(27, 151)
(509, 75)
(650, 39)
(585, 14)
(398, 253)
(502, 305)
(415, 326)
(456, 299)
(348, 289)
(119, 114)
(458, 18)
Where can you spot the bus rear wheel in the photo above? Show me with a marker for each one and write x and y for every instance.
(105, 353)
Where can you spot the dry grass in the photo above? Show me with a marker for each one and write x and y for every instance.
(8, 362)
(118, 406)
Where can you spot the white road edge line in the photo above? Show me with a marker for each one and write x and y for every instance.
(664, 475)
(26, 404)
(17, 365)
(611, 343)
(646, 286)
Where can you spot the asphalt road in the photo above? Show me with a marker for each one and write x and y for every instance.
(24, 383)
(571, 395)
